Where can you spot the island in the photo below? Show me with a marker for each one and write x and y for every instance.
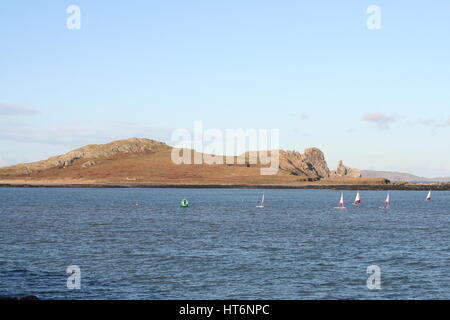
(146, 163)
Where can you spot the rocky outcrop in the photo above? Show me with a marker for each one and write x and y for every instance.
(105, 151)
(93, 151)
(311, 163)
(88, 164)
(344, 171)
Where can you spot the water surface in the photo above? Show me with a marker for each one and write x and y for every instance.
(139, 244)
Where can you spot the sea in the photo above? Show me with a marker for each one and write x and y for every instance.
(138, 243)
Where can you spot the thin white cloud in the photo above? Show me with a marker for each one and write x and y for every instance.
(434, 124)
(381, 120)
(301, 116)
(427, 122)
(441, 123)
(304, 116)
(12, 110)
(75, 136)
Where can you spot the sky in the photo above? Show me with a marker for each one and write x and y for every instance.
(378, 99)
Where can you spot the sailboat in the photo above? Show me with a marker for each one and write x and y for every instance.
(262, 202)
(357, 201)
(341, 202)
(428, 198)
(386, 202)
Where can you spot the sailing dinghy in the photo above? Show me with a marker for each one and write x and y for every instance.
(341, 202)
(357, 201)
(262, 202)
(386, 202)
(428, 198)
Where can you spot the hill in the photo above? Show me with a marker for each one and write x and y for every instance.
(400, 176)
(137, 160)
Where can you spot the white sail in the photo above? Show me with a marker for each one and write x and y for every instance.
(262, 202)
(386, 203)
(357, 199)
(341, 202)
(428, 198)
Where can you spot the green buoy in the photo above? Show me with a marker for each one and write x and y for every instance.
(184, 203)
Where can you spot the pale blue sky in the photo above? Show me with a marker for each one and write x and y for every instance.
(310, 68)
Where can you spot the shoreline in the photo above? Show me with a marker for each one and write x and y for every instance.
(407, 187)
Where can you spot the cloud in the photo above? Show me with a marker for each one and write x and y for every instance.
(301, 116)
(75, 136)
(304, 116)
(381, 120)
(434, 123)
(426, 122)
(12, 110)
(441, 123)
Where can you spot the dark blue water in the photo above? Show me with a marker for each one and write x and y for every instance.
(138, 244)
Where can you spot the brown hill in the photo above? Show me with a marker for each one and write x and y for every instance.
(138, 160)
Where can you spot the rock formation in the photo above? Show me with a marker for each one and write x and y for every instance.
(311, 163)
(92, 151)
(109, 150)
(344, 171)
(88, 164)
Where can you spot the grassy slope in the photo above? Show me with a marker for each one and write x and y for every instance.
(157, 168)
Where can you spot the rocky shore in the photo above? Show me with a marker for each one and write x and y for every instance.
(410, 187)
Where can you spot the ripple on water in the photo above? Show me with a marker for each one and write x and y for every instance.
(222, 247)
